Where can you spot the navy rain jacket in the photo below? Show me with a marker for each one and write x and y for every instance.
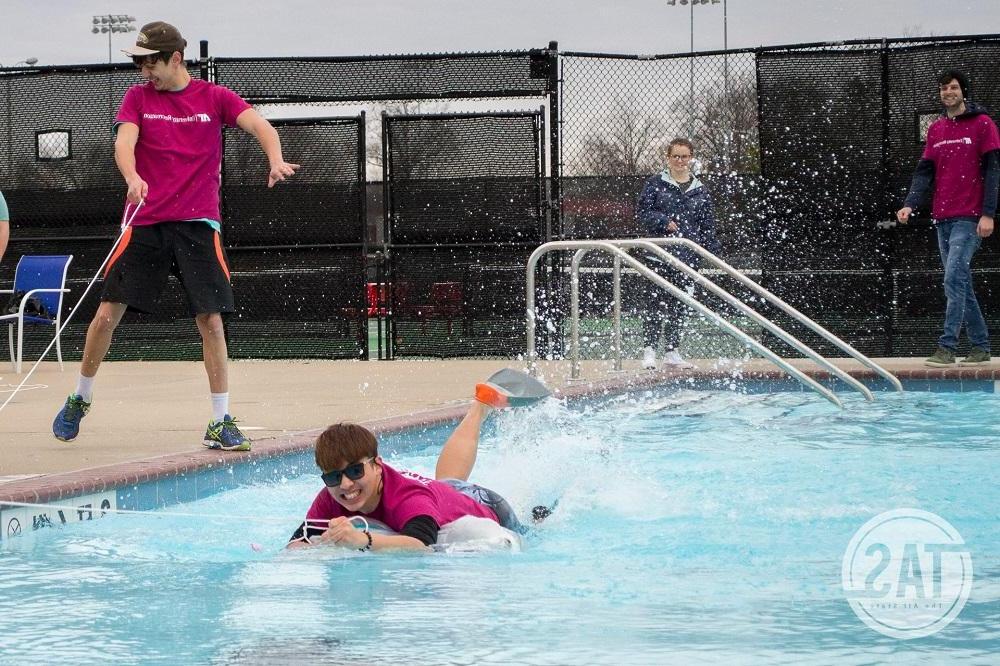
(663, 201)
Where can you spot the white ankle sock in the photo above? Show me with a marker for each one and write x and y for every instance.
(85, 387)
(220, 406)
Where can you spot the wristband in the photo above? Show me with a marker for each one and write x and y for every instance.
(368, 546)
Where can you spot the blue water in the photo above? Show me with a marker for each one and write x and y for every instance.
(696, 526)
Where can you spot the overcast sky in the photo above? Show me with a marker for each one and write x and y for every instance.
(58, 31)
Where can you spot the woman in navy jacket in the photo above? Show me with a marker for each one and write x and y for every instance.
(673, 203)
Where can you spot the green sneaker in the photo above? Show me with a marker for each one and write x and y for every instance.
(977, 356)
(226, 436)
(942, 358)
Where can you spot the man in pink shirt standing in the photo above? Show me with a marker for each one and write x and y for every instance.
(961, 165)
(168, 148)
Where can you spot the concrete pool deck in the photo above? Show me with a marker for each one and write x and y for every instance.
(148, 418)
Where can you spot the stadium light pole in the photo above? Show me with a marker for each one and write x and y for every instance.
(110, 24)
(725, 43)
(27, 61)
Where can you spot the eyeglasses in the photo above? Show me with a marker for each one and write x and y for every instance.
(354, 471)
(680, 157)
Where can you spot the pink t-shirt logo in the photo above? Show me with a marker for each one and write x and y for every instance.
(964, 140)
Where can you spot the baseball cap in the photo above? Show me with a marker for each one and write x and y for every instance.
(157, 37)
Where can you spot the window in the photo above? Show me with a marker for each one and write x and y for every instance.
(924, 120)
(52, 145)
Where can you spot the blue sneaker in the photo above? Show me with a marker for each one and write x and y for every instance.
(67, 424)
(226, 436)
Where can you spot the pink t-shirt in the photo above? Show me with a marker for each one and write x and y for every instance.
(405, 496)
(179, 152)
(956, 146)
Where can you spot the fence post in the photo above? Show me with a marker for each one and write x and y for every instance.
(885, 205)
(555, 142)
(388, 275)
(203, 59)
(552, 277)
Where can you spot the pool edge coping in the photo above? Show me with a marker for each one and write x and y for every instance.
(63, 485)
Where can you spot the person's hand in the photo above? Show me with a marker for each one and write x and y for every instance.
(672, 227)
(985, 226)
(281, 171)
(137, 190)
(343, 533)
(903, 214)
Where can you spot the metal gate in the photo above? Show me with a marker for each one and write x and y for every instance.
(297, 251)
(465, 205)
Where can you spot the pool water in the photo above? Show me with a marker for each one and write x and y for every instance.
(693, 526)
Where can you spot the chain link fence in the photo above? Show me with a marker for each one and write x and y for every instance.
(841, 129)
(805, 149)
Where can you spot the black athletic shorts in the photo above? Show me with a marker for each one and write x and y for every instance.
(141, 264)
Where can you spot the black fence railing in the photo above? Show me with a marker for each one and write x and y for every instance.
(483, 156)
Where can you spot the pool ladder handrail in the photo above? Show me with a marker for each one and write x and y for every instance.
(617, 249)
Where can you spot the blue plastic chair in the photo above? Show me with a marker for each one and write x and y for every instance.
(42, 278)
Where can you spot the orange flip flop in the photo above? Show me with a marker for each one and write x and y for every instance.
(511, 388)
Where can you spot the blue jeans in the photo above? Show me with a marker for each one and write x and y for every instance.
(958, 242)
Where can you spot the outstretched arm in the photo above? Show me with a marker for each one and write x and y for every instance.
(253, 123)
(343, 533)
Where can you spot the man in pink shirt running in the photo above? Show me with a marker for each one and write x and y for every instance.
(168, 148)
(961, 166)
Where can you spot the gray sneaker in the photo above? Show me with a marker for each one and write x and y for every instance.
(942, 358)
(977, 356)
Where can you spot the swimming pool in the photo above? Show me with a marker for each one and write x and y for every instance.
(692, 526)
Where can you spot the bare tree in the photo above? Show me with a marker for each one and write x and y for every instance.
(373, 141)
(623, 143)
(726, 122)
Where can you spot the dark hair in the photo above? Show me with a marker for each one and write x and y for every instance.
(342, 444)
(680, 141)
(159, 55)
(950, 75)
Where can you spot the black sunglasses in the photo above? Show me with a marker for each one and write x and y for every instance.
(150, 59)
(354, 471)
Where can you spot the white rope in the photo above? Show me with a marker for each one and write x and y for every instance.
(256, 547)
(326, 521)
(157, 513)
(29, 387)
(126, 223)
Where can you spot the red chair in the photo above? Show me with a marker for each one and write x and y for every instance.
(380, 298)
(446, 302)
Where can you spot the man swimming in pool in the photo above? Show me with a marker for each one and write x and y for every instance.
(359, 483)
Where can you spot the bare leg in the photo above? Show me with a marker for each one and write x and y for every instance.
(459, 453)
(214, 351)
(99, 333)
